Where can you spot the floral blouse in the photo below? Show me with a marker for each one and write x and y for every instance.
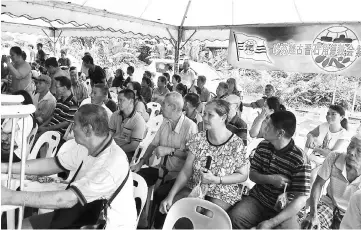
(227, 158)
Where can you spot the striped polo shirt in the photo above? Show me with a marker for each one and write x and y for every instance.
(64, 111)
(290, 162)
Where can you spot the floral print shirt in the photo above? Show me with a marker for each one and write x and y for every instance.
(227, 159)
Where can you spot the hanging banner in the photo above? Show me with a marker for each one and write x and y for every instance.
(333, 49)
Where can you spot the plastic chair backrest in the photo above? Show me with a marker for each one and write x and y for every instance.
(153, 106)
(51, 137)
(31, 137)
(187, 207)
(140, 191)
(154, 123)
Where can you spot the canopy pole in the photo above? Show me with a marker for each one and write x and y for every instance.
(177, 48)
(334, 91)
(188, 39)
(180, 36)
(354, 97)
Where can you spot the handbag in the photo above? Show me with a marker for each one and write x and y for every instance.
(89, 216)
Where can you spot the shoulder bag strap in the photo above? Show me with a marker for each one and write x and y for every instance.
(76, 173)
(118, 189)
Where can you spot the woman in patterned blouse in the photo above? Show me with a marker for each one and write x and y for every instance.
(229, 165)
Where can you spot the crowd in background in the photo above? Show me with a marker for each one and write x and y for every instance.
(102, 134)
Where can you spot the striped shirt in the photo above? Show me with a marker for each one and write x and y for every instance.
(64, 111)
(290, 162)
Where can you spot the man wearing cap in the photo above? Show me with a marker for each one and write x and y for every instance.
(236, 125)
(44, 101)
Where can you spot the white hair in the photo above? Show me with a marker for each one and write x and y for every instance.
(176, 99)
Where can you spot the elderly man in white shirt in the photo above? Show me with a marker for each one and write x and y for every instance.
(101, 167)
(344, 172)
(188, 76)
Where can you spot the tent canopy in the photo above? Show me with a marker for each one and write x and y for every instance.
(211, 19)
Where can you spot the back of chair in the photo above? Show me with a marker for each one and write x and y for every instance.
(31, 137)
(50, 137)
(140, 191)
(187, 207)
(153, 106)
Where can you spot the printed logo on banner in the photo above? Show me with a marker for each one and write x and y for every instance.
(333, 50)
(338, 46)
(251, 47)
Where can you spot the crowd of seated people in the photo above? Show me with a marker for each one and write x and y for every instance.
(196, 128)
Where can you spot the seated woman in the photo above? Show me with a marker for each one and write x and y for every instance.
(146, 91)
(228, 168)
(182, 89)
(232, 87)
(140, 105)
(191, 104)
(6, 129)
(160, 92)
(271, 105)
(329, 136)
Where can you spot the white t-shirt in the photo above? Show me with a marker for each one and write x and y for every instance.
(88, 101)
(99, 177)
(188, 77)
(329, 139)
(6, 128)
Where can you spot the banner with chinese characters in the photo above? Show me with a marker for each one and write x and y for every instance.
(334, 49)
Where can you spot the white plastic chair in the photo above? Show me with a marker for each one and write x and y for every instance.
(140, 191)
(153, 106)
(187, 207)
(31, 137)
(51, 137)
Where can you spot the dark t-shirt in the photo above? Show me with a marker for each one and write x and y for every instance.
(40, 57)
(64, 62)
(111, 105)
(97, 75)
(238, 127)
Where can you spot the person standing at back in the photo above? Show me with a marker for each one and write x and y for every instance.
(32, 53)
(130, 72)
(40, 56)
(269, 91)
(96, 74)
(187, 75)
(205, 95)
(64, 61)
(54, 71)
(19, 70)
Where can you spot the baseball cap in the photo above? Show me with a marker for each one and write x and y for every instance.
(44, 77)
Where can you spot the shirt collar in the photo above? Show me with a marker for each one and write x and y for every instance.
(130, 115)
(179, 124)
(68, 98)
(340, 163)
(46, 97)
(104, 145)
(284, 150)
